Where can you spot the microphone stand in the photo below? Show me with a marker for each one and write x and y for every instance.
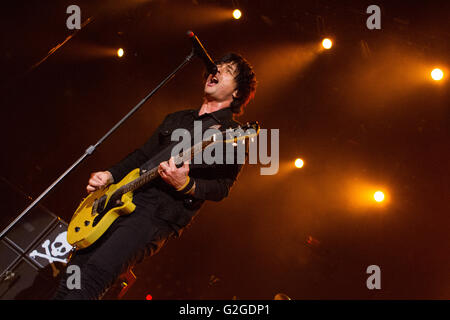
(92, 148)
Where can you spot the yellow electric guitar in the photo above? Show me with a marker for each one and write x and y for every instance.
(99, 209)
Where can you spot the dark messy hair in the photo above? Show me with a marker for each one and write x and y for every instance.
(245, 81)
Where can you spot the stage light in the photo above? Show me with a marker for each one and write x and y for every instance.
(299, 163)
(437, 74)
(378, 196)
(148, 297)
(281, 296)
(327, 43)
(237, 14)
(120, 52)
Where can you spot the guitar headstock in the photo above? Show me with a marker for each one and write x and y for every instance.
(252, 125)
(233, 135)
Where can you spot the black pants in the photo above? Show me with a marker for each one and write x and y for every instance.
(128, 241)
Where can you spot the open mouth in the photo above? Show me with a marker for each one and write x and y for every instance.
(213, 81)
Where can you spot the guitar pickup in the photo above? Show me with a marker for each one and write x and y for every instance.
(101, 203)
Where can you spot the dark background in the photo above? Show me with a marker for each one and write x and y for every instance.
(363, 115)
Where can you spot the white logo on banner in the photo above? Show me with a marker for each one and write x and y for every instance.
(58, 248)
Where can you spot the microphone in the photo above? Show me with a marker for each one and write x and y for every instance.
(200, 52)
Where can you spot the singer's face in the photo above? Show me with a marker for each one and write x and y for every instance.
(222, 86)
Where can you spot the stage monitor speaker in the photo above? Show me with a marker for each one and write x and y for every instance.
(35, 252)
(8, 256)
(32, 259)
(25, 281)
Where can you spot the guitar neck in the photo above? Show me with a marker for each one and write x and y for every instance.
(139, 182)
(152, 174)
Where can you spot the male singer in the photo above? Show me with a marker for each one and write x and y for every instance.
(166, 207)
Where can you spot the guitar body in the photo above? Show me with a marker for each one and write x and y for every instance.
(97, 212)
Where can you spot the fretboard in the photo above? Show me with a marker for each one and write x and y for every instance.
(151, 174)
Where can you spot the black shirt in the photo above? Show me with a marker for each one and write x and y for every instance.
(213, 182)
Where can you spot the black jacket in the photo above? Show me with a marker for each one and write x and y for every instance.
(213, 182)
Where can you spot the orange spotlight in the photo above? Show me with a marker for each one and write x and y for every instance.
(378, 196)
(327, 43)
(437, 74)
(237, 14)
(120, 52)
(299, 163)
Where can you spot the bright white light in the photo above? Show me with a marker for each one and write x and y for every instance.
(378, 196)
(237, 14)
(299, 163)
(437, 74)
(327, 43)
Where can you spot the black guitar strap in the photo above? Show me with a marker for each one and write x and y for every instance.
(165, 153)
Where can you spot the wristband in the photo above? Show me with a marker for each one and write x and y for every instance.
(187, 186)
(189, 189)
